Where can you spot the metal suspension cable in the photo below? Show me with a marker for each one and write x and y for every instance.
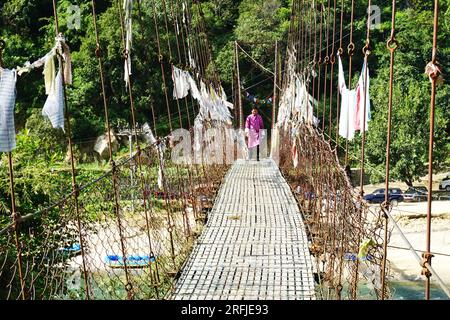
(275, 87)
(239, 95)
(338, 94)
(319, 61)
(170, 55)
(180, 184)
(315, 50)
(366, 51)
(392, 45)
(127, 61)
(305, 38)
(161, 62)
(128, 286)
(202, 53)
(433, 71)
(332, 61)
(256, 62)
(172, 65)
(326, 62)
(300, 36)
(433, 253)
(75, 188)
(421, 262)
(208, 46)
(179, 30)
(309, 71)
(148, 56)
(351, 51)
(188, 47)
(98, 52)
(424, 263)
(170, 222)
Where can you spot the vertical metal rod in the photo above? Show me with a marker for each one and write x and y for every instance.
(75, 190)
(392, 46)
(340, 52)
(319, 62)
(332, 61)
(366, 51)
(433, 78)
(15, 218)
(275, 82)
(351, 50)
(326, 62)
(241, 114)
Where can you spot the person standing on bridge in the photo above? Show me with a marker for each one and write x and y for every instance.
(253, 127)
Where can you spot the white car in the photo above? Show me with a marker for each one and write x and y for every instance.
(445, 184)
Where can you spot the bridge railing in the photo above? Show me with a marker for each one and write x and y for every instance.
(345, 233)
(129, 240)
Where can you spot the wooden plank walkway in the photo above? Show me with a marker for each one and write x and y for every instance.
(254, 245)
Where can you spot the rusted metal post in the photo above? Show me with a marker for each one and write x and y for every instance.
(433, 72)
(275, 83)
(392, 46)
(241, 112)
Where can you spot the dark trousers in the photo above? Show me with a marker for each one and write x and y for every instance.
(250, 156)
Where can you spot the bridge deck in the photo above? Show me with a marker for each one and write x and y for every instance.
(254, 245)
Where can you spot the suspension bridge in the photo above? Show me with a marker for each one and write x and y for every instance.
(290, 226)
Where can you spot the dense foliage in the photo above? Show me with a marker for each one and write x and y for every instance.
(27, 26)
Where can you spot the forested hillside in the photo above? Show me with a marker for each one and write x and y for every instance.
(27, 27)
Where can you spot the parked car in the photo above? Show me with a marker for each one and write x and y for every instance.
(416, 193)
(395, 196)
(445, 184)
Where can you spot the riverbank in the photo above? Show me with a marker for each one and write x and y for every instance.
(412, 220)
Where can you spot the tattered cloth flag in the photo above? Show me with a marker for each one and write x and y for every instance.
(294, 154)
(160, 148)
(348, 105)
(180, 83)
(360, 117)
(54, 105)
(7, 101)
(128, 8)
(364, 249)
